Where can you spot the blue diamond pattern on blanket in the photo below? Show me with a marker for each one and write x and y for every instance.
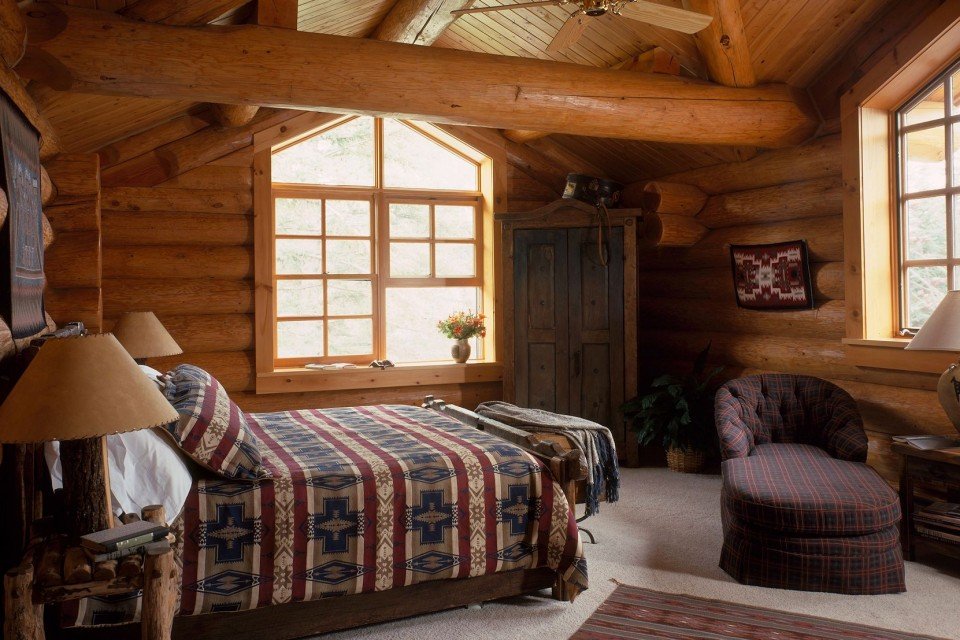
(514, 553)
(431, 562)
(335, 572)
(432, 518)
(227, 583)
(335, 525)
(430, 475)
(333, 482)
(516, 509)
(516, 468)
(229, 533)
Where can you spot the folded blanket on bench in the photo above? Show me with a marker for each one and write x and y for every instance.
(594, 440)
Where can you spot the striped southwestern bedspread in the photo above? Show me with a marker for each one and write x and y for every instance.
(364, 499)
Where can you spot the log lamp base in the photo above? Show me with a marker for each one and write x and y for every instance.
(86, 485)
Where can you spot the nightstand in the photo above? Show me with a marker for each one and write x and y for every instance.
(54, 571)
(937, 470)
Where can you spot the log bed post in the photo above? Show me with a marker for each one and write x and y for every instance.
(566, 467)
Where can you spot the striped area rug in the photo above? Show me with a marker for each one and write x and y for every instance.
(639, 614)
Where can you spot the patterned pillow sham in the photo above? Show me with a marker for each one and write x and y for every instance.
(212, 429)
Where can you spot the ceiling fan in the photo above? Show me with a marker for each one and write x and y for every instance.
(650, 12)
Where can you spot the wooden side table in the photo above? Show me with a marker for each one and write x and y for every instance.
(936, 470)
(53, 572)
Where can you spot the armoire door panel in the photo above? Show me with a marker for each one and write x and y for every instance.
(595, 384)
(541, 324)
(543, 385)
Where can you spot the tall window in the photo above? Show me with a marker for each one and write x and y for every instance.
(377, 236)
(928, 135)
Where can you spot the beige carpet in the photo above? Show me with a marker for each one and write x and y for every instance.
(664, 534)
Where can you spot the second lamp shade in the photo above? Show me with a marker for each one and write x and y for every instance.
(142, 335)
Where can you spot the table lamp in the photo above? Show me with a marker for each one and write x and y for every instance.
(79, 390)
(142, 335)
(941, 332)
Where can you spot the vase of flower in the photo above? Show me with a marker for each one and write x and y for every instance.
(460, 351)
(461, 327)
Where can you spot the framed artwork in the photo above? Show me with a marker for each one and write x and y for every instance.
(772, 277)
(21, 237)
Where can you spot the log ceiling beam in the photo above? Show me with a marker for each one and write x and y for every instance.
(723, 44)
(277, 13)
(418, 21)
(656, 60)
(180, 12)
(73, 49)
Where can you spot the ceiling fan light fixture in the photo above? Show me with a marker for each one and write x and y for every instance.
(595, 7)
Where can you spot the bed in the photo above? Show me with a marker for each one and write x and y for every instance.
(312, 521)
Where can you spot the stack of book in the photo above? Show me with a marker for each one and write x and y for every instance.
(940, 520)
(127, 539)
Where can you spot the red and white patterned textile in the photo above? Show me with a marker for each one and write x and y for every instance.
(364, 499)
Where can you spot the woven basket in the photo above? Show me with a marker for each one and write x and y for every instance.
(685, 461)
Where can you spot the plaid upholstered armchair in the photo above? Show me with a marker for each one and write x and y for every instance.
(783, 408)
(800, 509)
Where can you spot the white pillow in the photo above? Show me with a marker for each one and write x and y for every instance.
(153, 374)
(145, 469)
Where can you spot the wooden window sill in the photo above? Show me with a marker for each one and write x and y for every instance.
(889, 353)
(297, 380)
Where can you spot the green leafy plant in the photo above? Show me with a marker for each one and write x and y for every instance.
(677, 410)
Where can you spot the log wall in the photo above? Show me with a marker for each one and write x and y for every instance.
(178, 240)
(687, 298)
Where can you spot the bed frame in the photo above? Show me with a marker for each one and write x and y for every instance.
(300, 619)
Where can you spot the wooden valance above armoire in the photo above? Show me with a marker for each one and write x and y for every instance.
(570, 321)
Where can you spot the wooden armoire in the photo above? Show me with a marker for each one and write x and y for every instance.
(571, 320)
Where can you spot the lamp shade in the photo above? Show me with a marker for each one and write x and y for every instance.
(142, 335)
(81, 388)
(941, 331)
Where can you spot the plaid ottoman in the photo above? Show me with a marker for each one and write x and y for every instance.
(795, 518)
(800, 509)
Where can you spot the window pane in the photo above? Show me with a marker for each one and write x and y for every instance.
(299, 298)
(925, 164)
(412, 160)
(341, 156)
(350, 337)
(454, 222)
(349, 297)
(455, 259)
(412, 315)
(300, 339)
(348, 218)
(930, 108)
(299, 256)
(409, 221)
(299, 217)
(926, 286)
(956, 93)
(926, 228)
(348, 256)
(409, 259)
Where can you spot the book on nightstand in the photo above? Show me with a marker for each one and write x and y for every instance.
(928, 442)
(131, 535)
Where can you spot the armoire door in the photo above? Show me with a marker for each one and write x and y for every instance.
(596, 325)
(541, 333)
(568, 327)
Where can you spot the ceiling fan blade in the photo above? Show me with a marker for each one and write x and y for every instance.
(663, 16)
(518, 5)
(569, 33)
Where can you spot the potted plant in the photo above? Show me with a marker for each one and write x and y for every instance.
(460, 327)
(678, 411)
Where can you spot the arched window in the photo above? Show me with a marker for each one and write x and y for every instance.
(377, 235)
(928, 185)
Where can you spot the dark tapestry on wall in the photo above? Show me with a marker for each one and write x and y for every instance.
(772, 276)
(21, 261)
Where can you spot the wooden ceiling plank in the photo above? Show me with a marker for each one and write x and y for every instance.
(92, 51)
(723, 45)
(877, 40)
(277, 13)
(681, 45)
